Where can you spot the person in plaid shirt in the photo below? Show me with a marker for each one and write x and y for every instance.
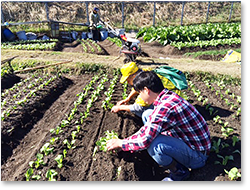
(175, 135)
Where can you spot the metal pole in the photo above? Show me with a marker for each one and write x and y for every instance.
(47, 10)
(232, 4)
(87, 11)
(2, 17)
(123, 15)
(154, 14)
(207, 11)
(182, 12)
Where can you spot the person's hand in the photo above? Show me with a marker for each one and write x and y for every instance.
(115, 109)
(114, 144)
(125, 101)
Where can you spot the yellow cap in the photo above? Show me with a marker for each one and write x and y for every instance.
(127, 70)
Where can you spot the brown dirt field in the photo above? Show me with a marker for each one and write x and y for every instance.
(43, 113)
(79, 165)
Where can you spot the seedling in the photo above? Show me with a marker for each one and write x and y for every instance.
(69, 145)
(103, 140)
(46, 149)
(39, 161)
(216, 146)
(95, 150)
(78, 127)
(199, 98)
(216, 119)
(205, 101)
(235, 140)
(64, 123)
(226, 131)
(124, 94)
(59, 160)
(64, 153)
(210, 109)
(73, 134)
(53, 140)
(207, 106)
(227, 91)
(239, 99)
(29, 173)
(50, 174)
(224, 159)
(57, 130)
(233, 173)
(225, 124)
(36, 177)
(238, 111)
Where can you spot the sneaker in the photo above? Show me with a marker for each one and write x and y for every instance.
(167, 179)
(181, 174)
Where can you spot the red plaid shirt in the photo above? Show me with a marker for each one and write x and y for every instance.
(172, 116)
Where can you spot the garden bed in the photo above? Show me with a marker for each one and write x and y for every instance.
(82, 163)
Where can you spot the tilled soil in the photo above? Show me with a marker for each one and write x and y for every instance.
(81, 165)
(152, 50)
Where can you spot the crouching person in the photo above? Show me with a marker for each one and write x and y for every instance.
(175, 135)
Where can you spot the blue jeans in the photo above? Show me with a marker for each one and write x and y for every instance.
(139, 110)
(147, 113)
(163, 149)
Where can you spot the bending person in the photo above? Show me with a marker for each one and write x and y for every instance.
(176, 136)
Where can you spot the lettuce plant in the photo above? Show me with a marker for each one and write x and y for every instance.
(59, 160)
(233, 173)
(101, 143)
(50, 174)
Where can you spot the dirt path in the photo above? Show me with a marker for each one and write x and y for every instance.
(215, 67)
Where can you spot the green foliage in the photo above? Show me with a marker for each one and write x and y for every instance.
(29, 173)
(101, 143)
(192, 33)
(31, 46)
(59, 160)
(233, 174)
(50, 175)
(115, 40)
(224, 159)
(46, 149)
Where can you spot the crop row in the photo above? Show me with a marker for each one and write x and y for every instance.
(167, 35)
(228, 98)
(23, 95)
(29, 42)
(206, 43)
(32, 46)
(89, 44)
(88, 97)
(33, 172)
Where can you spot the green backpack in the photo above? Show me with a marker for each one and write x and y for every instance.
(174, 75)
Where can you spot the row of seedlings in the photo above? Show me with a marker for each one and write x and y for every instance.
(217, 146)
(20, 94)
(33, 172)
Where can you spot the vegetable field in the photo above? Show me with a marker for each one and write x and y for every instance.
(55, 121)
(51, 125)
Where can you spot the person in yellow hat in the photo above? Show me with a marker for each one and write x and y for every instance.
(129, 72)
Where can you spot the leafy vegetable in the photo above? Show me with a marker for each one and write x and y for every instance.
(233, 173)
(59, 160)
(101, 143)
(50, 174)
(46, 149)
